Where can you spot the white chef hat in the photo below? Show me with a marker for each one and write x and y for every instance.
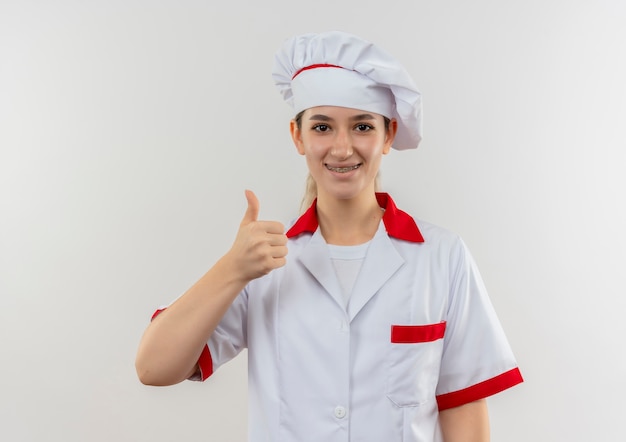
(339, 69)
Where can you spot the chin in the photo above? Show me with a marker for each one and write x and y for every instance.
(347, 190)
(347, 194)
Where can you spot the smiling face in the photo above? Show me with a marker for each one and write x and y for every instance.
(343, 148)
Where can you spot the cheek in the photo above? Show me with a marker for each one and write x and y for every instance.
(373, 148)
(313, 148)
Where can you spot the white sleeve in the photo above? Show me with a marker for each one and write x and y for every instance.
(477, 360)
(230, 335)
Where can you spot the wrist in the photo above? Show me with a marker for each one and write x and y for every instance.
(231, 271)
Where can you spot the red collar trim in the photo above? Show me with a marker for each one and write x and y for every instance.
(399, 224)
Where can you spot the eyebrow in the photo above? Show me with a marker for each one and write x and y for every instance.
(321, 117)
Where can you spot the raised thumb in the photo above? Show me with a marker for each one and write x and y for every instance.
(252, 212)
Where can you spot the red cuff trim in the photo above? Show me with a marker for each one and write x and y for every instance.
(157, 313)
(205, 363)
(480, 390)
(412, 334)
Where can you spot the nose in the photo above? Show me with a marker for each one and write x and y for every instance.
(342, 145)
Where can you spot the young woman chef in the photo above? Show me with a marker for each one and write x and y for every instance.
(376, 327)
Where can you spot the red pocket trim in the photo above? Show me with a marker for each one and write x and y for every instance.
(411, 334)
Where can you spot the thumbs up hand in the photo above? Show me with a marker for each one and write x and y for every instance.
(260, 246)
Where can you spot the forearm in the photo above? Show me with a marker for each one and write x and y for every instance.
(467, 423)
(172, 343)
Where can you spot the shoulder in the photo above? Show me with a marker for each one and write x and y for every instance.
(441, 248)
(433, 229)
(433, 235)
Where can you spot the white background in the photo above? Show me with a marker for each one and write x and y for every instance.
(130, 129)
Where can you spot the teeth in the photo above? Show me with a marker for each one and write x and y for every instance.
(343, 169)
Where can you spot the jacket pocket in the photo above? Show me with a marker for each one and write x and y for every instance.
(414, 358)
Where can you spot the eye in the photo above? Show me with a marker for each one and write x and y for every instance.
(363, 127)
(321, 128)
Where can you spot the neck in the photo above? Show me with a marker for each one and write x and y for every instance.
(348, 222)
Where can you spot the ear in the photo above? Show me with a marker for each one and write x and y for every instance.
(296, 136)
(391, 135)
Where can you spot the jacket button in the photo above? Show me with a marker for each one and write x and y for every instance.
(340, 412)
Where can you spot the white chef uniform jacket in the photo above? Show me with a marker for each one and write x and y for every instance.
(418, 335)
